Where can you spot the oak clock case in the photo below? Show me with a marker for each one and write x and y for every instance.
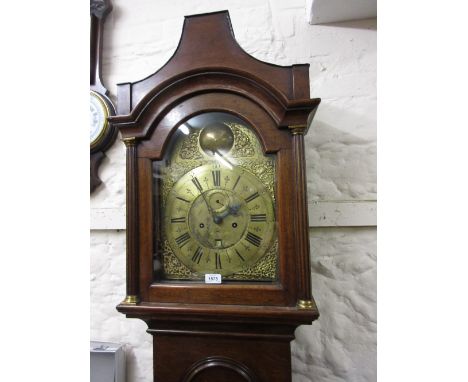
(215, 169)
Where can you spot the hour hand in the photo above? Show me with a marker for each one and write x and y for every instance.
(234, 208)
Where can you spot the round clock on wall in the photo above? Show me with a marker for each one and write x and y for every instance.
(217, 227)
(100, 110)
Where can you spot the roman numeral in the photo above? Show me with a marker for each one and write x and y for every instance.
(238, 254)
(253, 239)
(237, 181)
(197, 184)
(216, 177)
(252, 197)
(184, 200)
(178, 220)
(182, 239)
(258, 218)
(218, 261)
(197, 255)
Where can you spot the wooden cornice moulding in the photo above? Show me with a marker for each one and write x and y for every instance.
(207, 59)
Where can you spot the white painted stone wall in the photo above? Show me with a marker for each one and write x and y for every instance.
(140, 36)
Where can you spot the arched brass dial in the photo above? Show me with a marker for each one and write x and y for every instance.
(219, 219)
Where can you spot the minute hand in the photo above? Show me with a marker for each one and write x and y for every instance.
(215, 218)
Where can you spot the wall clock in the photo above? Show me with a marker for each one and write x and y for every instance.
(217, 227)
(102, 134)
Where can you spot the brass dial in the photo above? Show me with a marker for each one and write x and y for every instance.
(215, 195)
(219, 219)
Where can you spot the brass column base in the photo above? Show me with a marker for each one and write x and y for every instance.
(133, 300)
(306, 304)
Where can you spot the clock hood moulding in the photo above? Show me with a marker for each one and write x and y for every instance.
(209, 59)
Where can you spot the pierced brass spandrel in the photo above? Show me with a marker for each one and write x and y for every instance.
(189, 149)
(173, 267)
(244, 145)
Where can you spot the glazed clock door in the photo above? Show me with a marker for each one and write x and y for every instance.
(216, 204)
(210, 203)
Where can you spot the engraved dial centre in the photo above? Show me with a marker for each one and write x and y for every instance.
(222, 223)
(219, 223)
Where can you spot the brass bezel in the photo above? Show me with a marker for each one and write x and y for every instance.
(105, 129)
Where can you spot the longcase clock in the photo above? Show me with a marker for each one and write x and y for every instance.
(217, 229)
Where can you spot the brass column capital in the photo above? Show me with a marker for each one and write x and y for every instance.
(129, 141)
(297, 129)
